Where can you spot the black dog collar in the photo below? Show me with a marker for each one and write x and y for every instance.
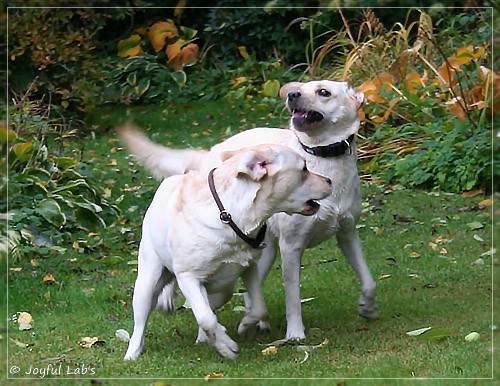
(333, 150)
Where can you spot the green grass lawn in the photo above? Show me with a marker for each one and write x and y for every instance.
(422, 248)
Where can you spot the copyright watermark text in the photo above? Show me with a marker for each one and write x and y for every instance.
(52, 370)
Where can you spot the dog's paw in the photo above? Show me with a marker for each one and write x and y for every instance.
(295, 336)
(248, 327)
(264, 326)
(367, 307)
(225, 346)
(370, 313)
(131, 356)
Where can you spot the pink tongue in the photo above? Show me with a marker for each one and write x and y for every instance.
(300, 114)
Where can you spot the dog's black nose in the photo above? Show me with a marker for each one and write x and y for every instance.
(293, 95)
(328, 181)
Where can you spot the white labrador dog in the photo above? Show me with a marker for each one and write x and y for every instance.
(204, 232)
(323, 130)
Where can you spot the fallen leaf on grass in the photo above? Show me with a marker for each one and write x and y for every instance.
(487, 202)
(473, 336)
(404, 219)
(385, 276)
(472, 193)
(111, 260)
(475, 225)
(49, 279)
(271, 350)
(429, 333)
(306, 300)
(307, 349)
(24, 319)
(415, 255)
(21, 344)
(122, 335)
(89, 342)
(213, 375)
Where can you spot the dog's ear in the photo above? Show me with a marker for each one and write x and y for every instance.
(253, 164)
(359, 98)
(288, 88)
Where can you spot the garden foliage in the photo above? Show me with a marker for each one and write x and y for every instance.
(428, 83)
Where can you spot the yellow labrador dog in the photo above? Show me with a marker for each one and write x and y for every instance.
(323, 130)
(204, 230)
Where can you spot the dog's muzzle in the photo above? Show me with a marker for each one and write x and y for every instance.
(302, 118)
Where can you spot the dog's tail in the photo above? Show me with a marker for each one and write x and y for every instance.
(166, 298)
(161, 161)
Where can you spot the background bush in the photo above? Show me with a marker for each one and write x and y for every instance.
(427, 75)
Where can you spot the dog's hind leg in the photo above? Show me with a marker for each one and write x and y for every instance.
(196, 295)
(258, 310)
(291, 256)
(264, 266)
(151, 278)
(350, 244)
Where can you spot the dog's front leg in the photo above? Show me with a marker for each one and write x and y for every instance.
(350, 244)
(195, 294)
(291, 256)
(257, 312)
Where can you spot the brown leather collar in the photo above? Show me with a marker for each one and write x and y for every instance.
(225, 217)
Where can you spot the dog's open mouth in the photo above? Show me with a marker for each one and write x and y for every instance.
(311, 207)
(304, 118)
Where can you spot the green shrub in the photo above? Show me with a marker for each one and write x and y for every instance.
(51, 194)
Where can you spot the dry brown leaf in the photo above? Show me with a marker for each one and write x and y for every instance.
(271, 350)
(472, 193)
(24, 317)
(89, 342)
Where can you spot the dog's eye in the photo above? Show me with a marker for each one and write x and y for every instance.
(324, 93)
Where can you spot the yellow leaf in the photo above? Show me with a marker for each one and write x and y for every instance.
(23, 150)
(324, 343)
(130, 47)
(443, 251)
(213, 375)
(179, 8)
(271, 88)
(159, 32)
(243, 52)
(385, 276)
(49, 278)
(271, 350)
(415, 255)
(433, 246)
(487, 202)
(7, 135)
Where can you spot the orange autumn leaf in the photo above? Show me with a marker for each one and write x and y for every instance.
(160, 32)
(179, 55)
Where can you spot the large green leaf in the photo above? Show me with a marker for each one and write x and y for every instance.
(271, 88)
(82, 202)
(180, 78)
(51, 211)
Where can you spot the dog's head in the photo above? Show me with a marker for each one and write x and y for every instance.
(321, 104)
(285, 183)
